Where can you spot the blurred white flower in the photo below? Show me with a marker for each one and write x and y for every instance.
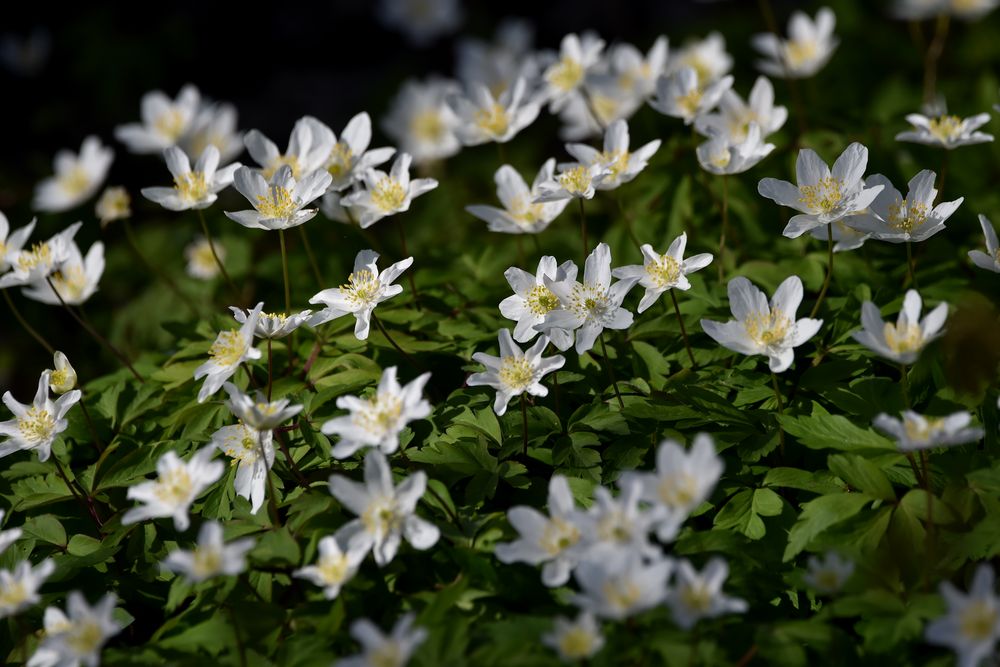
(707, 57)
(422, 21)
(533, 300)
(278, 203)
(520, 215)
(421, 122)
(828, 574)
(515, 372)
(809, 46)
(498, 64)
(309, 148)
(903, 341)
(566, 72)
(36, 425)
(201, 262)
(381, 650)
(896, 220)
(659, 273)
(256, 411)
(177, 485)
(211, 557)
(946, 131)
(11, 243)
(113, 204)
(916, 431)
(577, 639)
(214, 125)
(989, 260)
(720, 155)
(164, 121)
(680, 95)
(483, 118)
(616, 583)
(230, 349)
(77, 637)
(334, 567)
(734, 117)
(634, 74)
(621, 165)
(195, 188)
(387, 194)
(19, 588)
(77, 177)
(622, 522)
(697, 595)
(971, 626)
(9, 536)
(75, 280)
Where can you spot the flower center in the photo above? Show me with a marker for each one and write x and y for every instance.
(206, 562)
(566, 75)
(605, 107)
(945, 128)
(280, 204)
(978, 621)
(174, 486)
(170, 124)
(386, 655)
(70, 282)
(827, 579)
(799, 53)
(525, 213)
(699, 65)
(541, 299)
(906, 218)
(576, 643)
(332, 568)
(494, 121)
(622, 595)
(362, 287)
(388, 195)
(84, 637)
(696, 597)
(381, 517)
(678, 491)
(664, 272)
(616, 162)
(428, 126)
(203, 259)
(191, 186)
(37, 425)
(279, 162)
(13, 596)
(228, 348)
(922, 430)
(75, 181)
(906, 337)
(575, 181)
(824, 197)
(689, 102)
(768, 329)
(558, 536)
(517, 373)
(40, 255)
(59, 378)
(381, 415)
(591, 302)
(243, 447)
(340, 161)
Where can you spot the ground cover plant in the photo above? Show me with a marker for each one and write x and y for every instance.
(697, 365)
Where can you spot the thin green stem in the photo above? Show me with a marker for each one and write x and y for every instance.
(86, 504)
(911, 266)
(382, 329)
(611, 372)
(904, 382)
(524, 423)
(829, 271)
(284, 273)
(583, 230)
(155, 270)
(270, 375)
(725, 226)
(90, 424)
(215, 254)
(781, 411)
(627, 221)
(933, 55)
(680, 321)
(299, 477)
(24, 324)
(312, 258)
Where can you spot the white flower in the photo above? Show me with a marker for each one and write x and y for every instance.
(682, 481)
(896, 220)
(519, 215)
(177, 485)
(36, 426)
(309, 148)
(900, 342)
(615, 583)
(259, 413)
(380, 650)
(330, 206)
(113, 204)
(484, 118)
(533, 300)
(19, 588)
(659, 273)
(230, 349)
(557, 540)
(214, 125)
(201, 262)
(244, 444)
(421, 122)
(272, 325)
(971, 626)
(164, 121)
(62, 379)
(707, 57)
(376, 421)
(822, 195)
(350, 157)
(385, 511)
(590, 307)
(422, 21)
(387, 194)
(366, 288)
(77, 637)
(720, 155)
(515, 372)
(567, 72)
(632, 73)
(946, 131)
(76, 279)
(40, 260)
(578, 114)
(12, 242)
(967, 10)
(334, 567)
(971, 10)
(9, 536)
(621, 165)
(193, 188)
(77, 177)
(734, 116)
(828, 574)
(759, 328)
(807, 49)
(916, 431)
(575, 640)
(278, 204)
(210, 557)
(680, 95)
(989, 260)
(499, 63)
(574, 181)
(695, 595)
(621, 522)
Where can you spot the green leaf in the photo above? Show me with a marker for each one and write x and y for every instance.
(818, 515)
(793, 478)
(46, 528)
(822, 430)
(862, 474)
(916, 501)
(767, 503)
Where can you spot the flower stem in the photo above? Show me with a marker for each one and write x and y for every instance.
(829, 271)
(269, 373)
(680, 321)
(524, 423)
(299, 477)
(781, 411)
(911, 266)
(272, 500)
(382, 329)
(90, 423)
(725, 224)
(284, 273)
(611, 372)
(519, 243)
(627, 221)
(155, 270)
(86, 504)
(583, 230)
(406, 253)
(932, 56)
(218, 262)
(24, 323)
(93, 332)
(312, 258)
(904, 382)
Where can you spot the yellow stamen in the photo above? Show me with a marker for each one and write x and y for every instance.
(340, 161)
(516, 373)
(174, 486)
(37, 425)
(280, 204)
(907, 218)
(823, 197)
(664, 272)
(191, 186)
(362, 287)
(945, 128)
(906, 337)
(388, 194)
(541, 300)
(768, 329)
(494, 121)
(228, 348)
(566, 75)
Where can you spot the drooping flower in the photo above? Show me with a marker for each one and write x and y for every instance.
(113, 204)
(828, 574)
(211, 557)
(309, 148)
(257, 412)
(916, 431)
(515, 372)
(195, 188)
(822, 195)
(681, 95)
(12, 242)
(590, 307)
(376, 421)
(989, 260)
(279, 203)
(809, 46)
(721, 156)
(575, 640)
(697, 595)
(201, 262)
(78, 636)
(36, 426)
(533, 300)
(77, 177)
(971, 627)
(421, 122)
(621, 165)
(616, 583)
(273, 325)
(230, 349)
(75, 280)
(946, 131)
(734, 117)
(63, 377)
(520, 214)
(556, 540)
(245, 446)
(350, 158)
(365, 289)
(19, 588)
(762, 328)
(334, 567)
(36, 263)
(483, 118)
(387, 194)
(903, 341)
(164, 121)
(660, 273)
(896, 220)
(177, 485)
(381, 650)
(385, 511)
